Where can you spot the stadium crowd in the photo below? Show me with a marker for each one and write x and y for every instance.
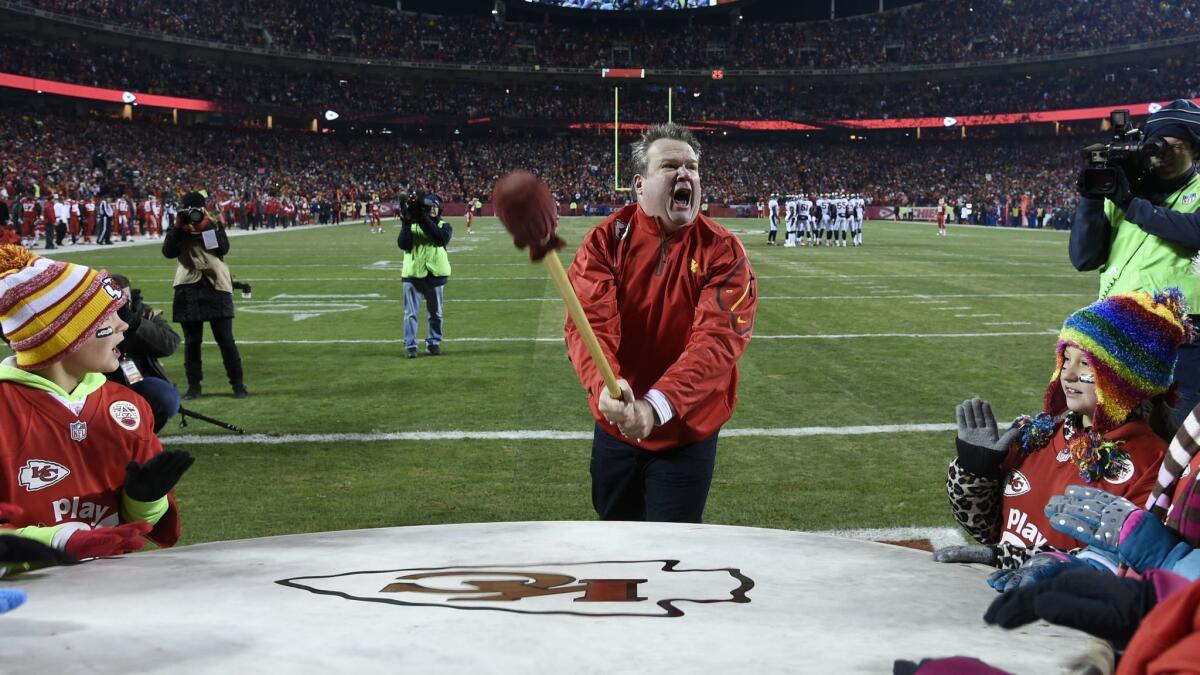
(952, 32)
(50, 155)
(257, 87)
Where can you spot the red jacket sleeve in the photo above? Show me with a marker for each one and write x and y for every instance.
(721, 330)
(592, 276)
(1168, 640)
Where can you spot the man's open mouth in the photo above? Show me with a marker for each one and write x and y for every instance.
(681, 198)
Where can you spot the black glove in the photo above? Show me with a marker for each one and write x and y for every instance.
(152, 481)
(1095, 602)
(17, 549)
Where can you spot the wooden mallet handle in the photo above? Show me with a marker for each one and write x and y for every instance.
(559, 276)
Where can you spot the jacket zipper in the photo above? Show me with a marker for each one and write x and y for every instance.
(662, 253)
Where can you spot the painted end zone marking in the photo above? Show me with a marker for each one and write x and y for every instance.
(938, 536)
(531, 435)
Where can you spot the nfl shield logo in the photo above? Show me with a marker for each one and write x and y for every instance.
(78, 430)
(1189, 198)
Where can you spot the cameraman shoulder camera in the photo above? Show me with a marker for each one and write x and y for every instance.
(424, 211)
(423, 238)
(1137, 220)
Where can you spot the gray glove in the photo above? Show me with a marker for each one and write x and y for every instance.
(977, 426)
(1092, 516)
(973, 553)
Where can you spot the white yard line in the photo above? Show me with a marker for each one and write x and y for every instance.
(973, 316)
(845, 336)
(530, 435)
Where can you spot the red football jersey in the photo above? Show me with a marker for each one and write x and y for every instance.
(61, 467)
(1031, 482)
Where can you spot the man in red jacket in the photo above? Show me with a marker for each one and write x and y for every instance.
(671, 297)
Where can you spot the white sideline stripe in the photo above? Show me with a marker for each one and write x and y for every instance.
(847, 336)
(555, 298)
(938, 536)
(528, 435)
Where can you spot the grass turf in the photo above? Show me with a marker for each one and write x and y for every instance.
(819, 358)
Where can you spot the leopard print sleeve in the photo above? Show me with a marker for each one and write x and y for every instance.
(975, 502)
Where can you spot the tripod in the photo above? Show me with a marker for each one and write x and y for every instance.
(184, 413)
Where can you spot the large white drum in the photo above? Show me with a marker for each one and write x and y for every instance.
(546, 597)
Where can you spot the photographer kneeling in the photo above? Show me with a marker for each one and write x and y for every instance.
(148, 339)
(423, 238)
(203, 291)
(1137, 220)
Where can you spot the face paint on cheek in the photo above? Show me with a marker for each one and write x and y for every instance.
(105, 332)
(1087, 378)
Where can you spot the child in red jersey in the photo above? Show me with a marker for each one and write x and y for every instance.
(1106, 424)
(78, 454)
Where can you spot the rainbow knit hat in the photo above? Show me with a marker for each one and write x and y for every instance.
(1131, 341)
(49, 308)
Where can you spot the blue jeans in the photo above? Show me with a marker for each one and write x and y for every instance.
(669, 486)
(414, 291)
(162, 396)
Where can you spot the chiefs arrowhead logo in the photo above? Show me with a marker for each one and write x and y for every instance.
(651, 588)
(1016, 484)
(38, 474)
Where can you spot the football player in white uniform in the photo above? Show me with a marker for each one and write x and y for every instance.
(790, 220)
(859, 210)
(842, 224)
(773, 216)
(804, 224)
(825, 230)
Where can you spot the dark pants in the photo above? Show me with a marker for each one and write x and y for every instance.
(193, 338)
(629, 483)
(1187, 377)
(104, 230)
(162, 397)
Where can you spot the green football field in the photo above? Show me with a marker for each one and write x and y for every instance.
(852, 347)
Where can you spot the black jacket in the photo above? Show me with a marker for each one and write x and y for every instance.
(198, 301)
(148, 339)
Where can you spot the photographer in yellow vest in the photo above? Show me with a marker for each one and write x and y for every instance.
(424, 236)
(1143, 235)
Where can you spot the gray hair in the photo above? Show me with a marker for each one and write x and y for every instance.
(639, 161)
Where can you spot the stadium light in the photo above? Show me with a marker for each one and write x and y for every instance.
(331, 115)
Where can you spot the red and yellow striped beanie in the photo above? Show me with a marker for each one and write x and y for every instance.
(49, 308)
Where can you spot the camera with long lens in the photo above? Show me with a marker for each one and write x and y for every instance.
(416, 205)
(192, 219)
(1128, 152)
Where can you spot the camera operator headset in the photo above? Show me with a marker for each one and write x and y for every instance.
(203, 290)
(1137, 221)
(423, 238)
